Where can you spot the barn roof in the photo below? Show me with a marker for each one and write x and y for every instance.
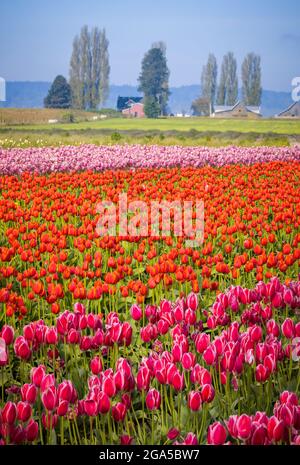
(289, 108)
(124, 102)
(227, 108)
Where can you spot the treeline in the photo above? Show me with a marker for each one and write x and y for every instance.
(226, 91)
(88, 85)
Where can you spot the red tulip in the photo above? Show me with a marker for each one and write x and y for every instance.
(21, 348)
(37, 374)
(262, 373)
(178, 381)
(126, 440)
(24, 411)
(136, 312)
(29, 332)
(190, 440)
(188, 360)
(210, 355)
(153, 399)
(108, 386)
(194, 400)
(259, 434)
(103, 403)
(275, 429)
(255, 333)
(32, 430)
(49, 398)
(173, 433)
(243, 426)
(288, 328)
(9, 413)
(192, 301)
(47, 381)
(190, 317)
(51, 336)
(29, 393)
(7, 333)
(62, 408)
(207, 393)
(216, 434)
(65, 391)
(143, 378)
(119, 412)
(287, 397)
(91, 407)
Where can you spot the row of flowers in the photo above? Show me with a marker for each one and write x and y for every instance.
(100, 158)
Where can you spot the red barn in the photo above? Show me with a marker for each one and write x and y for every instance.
(134, 110)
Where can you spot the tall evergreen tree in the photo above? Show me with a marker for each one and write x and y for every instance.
(228, 85)
(154, 78)
(89, 69)
(59, 95)
(209, 79)
(251, 79)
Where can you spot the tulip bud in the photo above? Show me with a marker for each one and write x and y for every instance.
(259, 434)
(288, 328)
(177, 381)
(202, 342)
(62, 408)
(192, 301)
(136, 312)
(9, 413)
(24, 411)
(188, 360)
(190, 440)
(91, 407)
(262, 373)
(173, 433)
(7, 333)
(207, 393)
(126, 440)
(243, 426)
(51, 336)
(216, 434)
(65, 391)
(29, 393)
(190, 317)
(210, 355)
(49, 398)
(108, 386)
(32, 430)
(194, 400)
(275, 429)
(103, 403)
(153, 399)
(37, 374)
(47, 381)
(119, 412)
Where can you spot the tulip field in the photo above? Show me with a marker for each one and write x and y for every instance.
(143, 339)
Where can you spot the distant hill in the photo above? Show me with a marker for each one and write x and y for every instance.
(31, 94)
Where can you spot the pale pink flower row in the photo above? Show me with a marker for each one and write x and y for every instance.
(99, 158)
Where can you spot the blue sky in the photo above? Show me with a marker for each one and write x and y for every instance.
(36, 36)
